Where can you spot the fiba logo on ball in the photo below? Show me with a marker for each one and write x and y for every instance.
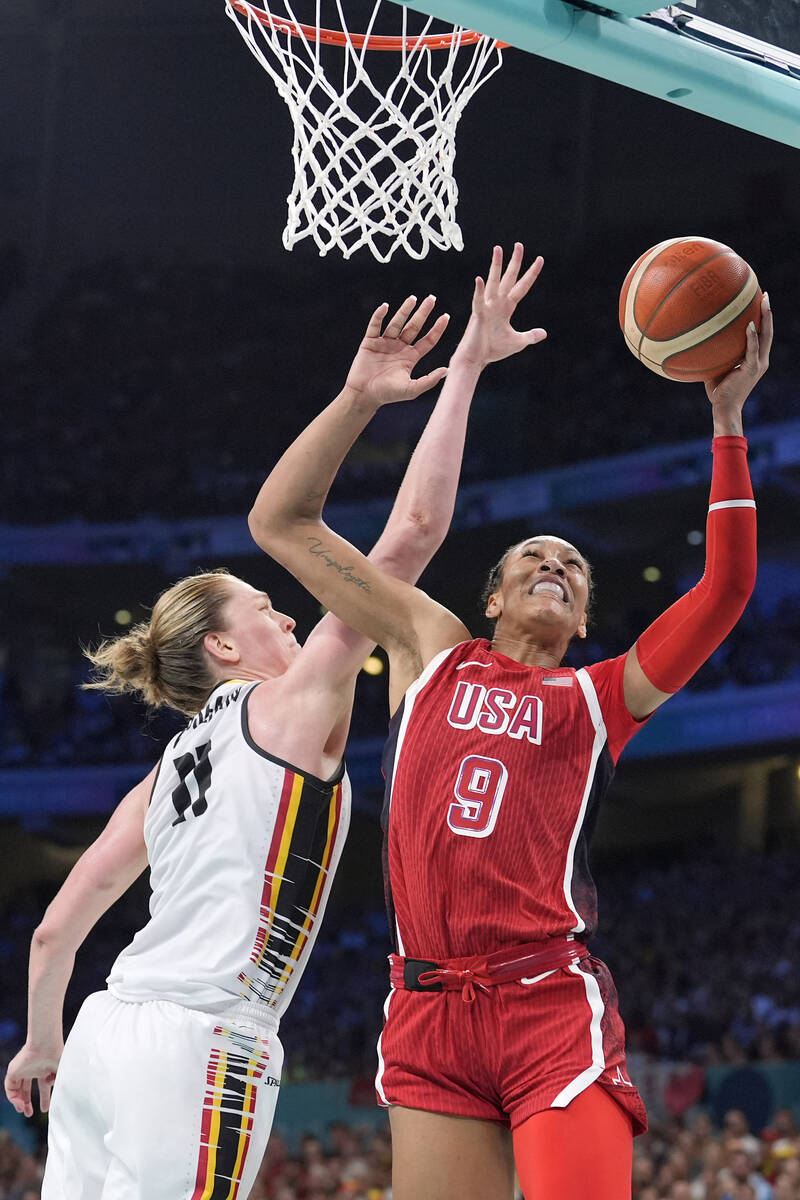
(707, 283)
(685, 306)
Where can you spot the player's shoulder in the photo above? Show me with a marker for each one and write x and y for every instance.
(226, 697)
(453, 658)
(607, 670)
(468, 650)
(298, 719)
(480, 648)
(608, 680)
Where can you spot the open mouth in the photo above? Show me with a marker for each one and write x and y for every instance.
(550, 587)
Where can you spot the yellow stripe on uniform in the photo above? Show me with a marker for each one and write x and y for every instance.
(213, 1133)
(280, 862)
(326, 858)
(248, 1106)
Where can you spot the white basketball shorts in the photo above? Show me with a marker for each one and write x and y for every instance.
(155, 1101)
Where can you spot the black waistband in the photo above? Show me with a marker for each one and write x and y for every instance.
(412, 969)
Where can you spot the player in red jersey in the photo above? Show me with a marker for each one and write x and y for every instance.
(496, 762)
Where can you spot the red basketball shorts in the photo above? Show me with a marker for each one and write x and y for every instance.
(518, 1048)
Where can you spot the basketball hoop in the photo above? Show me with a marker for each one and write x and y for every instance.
(373, 157)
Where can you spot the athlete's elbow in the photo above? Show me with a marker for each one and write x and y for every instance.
(741, 588)
(425, 528)
(736, 599)
(268, 528)
(282, 540)
(51, 940)
(260, 528)
(43, 936)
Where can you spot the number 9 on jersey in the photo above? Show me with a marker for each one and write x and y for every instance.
(479, 793)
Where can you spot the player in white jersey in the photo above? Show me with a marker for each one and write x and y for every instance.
(167, 1084)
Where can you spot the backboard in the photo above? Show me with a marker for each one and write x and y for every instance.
(735, 60)
(773, 21)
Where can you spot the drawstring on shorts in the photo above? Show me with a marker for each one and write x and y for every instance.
(451, 980)
(479, 973)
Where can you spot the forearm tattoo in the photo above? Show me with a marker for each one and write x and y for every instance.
(318, 550)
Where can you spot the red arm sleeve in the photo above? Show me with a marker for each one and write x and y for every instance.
(681, 639)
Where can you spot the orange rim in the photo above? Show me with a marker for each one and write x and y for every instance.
(336, 37)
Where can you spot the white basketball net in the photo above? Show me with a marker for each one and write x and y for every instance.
(372, 167)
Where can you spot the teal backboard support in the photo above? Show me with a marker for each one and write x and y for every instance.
(628, 8)
(640, 55)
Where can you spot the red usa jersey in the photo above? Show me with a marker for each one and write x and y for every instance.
(494, 774)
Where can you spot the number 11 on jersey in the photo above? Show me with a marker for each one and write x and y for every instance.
(187, 766)
(479, 793)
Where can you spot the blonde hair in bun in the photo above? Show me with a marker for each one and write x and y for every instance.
(163, 660)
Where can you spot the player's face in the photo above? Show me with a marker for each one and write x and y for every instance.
(545, 585)
(262, 636)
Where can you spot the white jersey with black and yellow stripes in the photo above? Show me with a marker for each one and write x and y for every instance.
(243, 848)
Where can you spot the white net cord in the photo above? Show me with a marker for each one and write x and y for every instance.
(372, 167)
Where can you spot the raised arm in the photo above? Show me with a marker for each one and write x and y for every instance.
(678, 642)
(100, 876)
(286, 518)
(423, 510)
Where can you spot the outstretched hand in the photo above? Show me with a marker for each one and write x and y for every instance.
(382, 367)
(489, 336)
(26, 1066)
(731, 391)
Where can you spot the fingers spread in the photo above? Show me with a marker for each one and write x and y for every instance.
(426, 382)
(514, 264)
(433, 335)
(375, 321)
(395, 325)
(532, 336)
(524, 285)
(495, 270)
(417, 320)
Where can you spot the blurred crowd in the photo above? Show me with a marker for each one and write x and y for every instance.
(721, 990)
(52, 722)
(20, 1172)
(200, 374)
(717, 990)
(47, 720)
(683, 1159)
(142, 366)
(689, 1160)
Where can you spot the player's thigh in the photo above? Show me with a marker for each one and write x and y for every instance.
(439, 1157)
(195, 1102)
(77, 1157)
(558, 1150)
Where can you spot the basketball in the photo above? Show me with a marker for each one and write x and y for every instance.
(685, 306)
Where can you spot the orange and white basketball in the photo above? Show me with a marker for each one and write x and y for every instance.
(685, 306)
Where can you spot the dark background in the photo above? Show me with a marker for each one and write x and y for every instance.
(145, 142)
(153, 331)
(148, 130)
(144, 162)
